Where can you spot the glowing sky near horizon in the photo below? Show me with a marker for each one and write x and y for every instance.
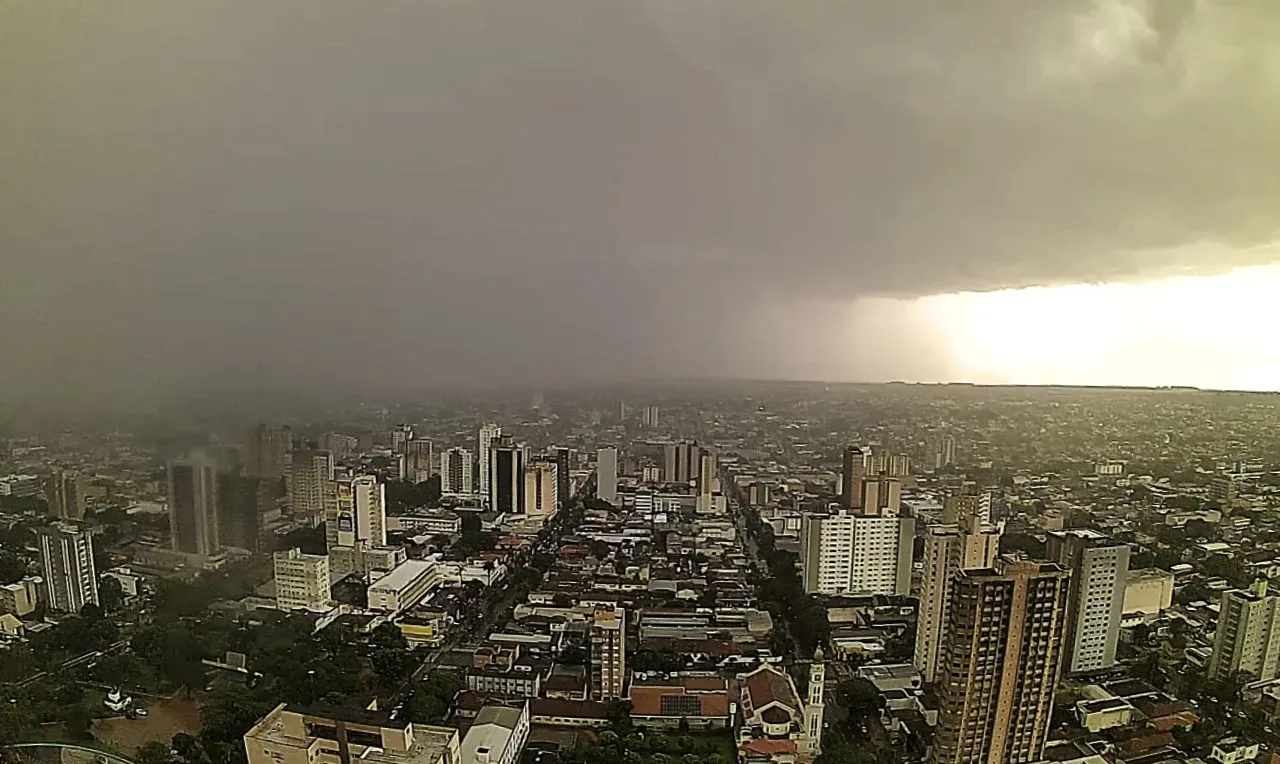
(1215, 331)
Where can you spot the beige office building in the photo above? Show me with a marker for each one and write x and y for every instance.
(608, 654)
(1001, 657)
(302, 580)
(342, 735)
(541, 489)
(1148, 591)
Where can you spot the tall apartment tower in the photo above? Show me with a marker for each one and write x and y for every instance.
(302, 580)
(66, 555)
(268, 452)
(853, 471)
(848, 553)
(881, 495)
(193, 505)
(608, 654)
(455, 471)
(400, 438)
(64, 492)
(1248, 635)
(506, 476)
(1099, 570)
(311, 485)
(356, 524)
(488, 434)
(419, 460)
(948, 549)
(243, 501)
(1002, 655)
(681, 461)
(607, 474)
(541, 488)
(649, 416)
(564, 457)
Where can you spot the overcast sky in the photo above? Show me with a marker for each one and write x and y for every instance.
(335, 193)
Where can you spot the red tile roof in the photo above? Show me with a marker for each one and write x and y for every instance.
(766, 685)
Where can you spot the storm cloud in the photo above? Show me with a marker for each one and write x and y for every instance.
(338, 193)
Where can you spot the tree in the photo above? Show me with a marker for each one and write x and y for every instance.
(858, 696)
(575, 655)
(77, 722)
(110, 594)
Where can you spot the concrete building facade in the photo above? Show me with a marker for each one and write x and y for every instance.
(1002, 655)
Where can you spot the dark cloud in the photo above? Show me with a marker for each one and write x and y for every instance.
(334, 192)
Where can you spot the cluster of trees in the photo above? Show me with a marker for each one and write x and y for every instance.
(801, 615)
(403, 495)
(666, 661)
(622, 742)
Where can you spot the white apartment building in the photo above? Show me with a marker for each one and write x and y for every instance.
(302, 580)
(847, 553)
(70, 580)
(1099, 568)
(488, 434)
(455, 471)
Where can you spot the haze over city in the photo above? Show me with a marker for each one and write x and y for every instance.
(568, 190)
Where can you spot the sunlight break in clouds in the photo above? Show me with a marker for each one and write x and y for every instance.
(1215, 331)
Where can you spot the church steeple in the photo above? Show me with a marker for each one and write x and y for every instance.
(813, 709)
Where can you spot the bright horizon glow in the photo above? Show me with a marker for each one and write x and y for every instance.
(1220, 332)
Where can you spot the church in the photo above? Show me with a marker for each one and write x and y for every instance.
(772, 722)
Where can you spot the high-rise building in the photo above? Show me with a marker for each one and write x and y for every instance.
(193, 505)
(302, 580)
(488, 434)
(607, 474)
(70, 580)
(419, 460)
(881, 495)
(400, 438)
(357, 524)
(942, 451)
(269, 451)
(311, 485)
(65, 494)
(708, 472)
(455, 471)
(564, 457)
(243, 502)
(506, 476)
(948, 549)
(1099, 568)
(852, 474)
(608, 654)
(541, 488)
(850, 553)
(649, 417)
(1247, 640)
(1002, 654)
(681, 461)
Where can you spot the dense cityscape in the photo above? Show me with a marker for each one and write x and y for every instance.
(706, 573)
